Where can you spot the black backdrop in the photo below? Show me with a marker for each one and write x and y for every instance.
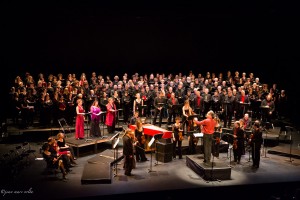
(113, 38)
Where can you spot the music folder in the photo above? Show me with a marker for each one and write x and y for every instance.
(197, 135)
(151, 142)
(115, 136)
(116, 143)
(191, 117)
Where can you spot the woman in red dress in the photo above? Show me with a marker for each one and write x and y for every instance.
(110, 115)
(79, 127)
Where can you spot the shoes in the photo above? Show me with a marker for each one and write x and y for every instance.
(71, 165)
(128, 174)
(68, 170)
(74, 158)
(144, 160)
(180, 157)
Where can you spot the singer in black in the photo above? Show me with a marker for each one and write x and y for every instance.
(228, 106)
(238, 142)
(255, 143)
(172, 109)
(128, 151)
(159, 103)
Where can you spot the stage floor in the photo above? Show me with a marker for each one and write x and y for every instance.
(278, 175)
(160, 180)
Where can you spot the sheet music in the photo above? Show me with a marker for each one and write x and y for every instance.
(151, 142)
(115, 144)
(198, 134)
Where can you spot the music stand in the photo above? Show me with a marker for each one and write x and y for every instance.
(103, 122)
(248, 133)
(226, 103)
(244, 106)
(264, 112)
(115, 140)
(175, 107)
(290, 129)
(200, 136)
(149, 145)
(87, 127)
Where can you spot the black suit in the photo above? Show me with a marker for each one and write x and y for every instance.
(128, 154)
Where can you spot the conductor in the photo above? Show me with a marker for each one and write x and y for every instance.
(208, 128)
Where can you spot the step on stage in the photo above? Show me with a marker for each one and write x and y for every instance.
(99, 169)
(217, 171)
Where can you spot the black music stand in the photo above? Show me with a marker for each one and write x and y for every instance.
(200, 136)
(149, 145)
(290, 130)
(115, 140)
(87, 127)
(176, 107)
(264, 113)
(226, 104)
(244, 106)
(103, 122)
(248, 133)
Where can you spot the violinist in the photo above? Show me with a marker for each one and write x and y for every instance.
(217, 138)
(238, 142)
(255, 142)
(186, 112)
(193, 141)
(140, 145)
(177, 134)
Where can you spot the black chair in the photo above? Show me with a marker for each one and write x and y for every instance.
(27, 149)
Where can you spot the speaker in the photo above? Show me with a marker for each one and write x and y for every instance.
(164, 148)
(164, 157)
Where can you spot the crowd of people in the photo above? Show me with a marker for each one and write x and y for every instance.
(228, 98)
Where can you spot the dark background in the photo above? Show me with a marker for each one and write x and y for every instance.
(114, 37)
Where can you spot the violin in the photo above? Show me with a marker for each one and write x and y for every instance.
(143, 139)
(180, 136)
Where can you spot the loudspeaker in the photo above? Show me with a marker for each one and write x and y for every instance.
(164, 157)
(164, 148)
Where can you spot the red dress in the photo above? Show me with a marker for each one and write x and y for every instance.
(110, 115)
(79, 128)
